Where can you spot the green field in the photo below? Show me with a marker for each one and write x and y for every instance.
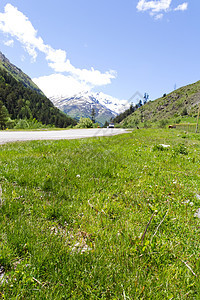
(101, 218)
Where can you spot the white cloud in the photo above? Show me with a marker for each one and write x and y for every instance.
(182, 7)
(59, 63)
(159, 17)
(16, 24)
(156, 8)
(13, 22)
(60, 85)
(9, 43)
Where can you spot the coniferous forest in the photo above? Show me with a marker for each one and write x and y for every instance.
(25, 103)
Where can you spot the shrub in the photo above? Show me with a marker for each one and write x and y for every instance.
(21, 124)
(163, 123)
(184, 112)
(159, 148)
(10, 123)
(85, 123)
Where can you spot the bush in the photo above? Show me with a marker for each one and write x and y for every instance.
(163, 123)
(85, 123)
(96, 125)
(160, 148)
(184, 112)
(10, 123)
(22, 124)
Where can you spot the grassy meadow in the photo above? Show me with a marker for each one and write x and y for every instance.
(101, 218)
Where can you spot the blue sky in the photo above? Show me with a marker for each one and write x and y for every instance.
(113, 46)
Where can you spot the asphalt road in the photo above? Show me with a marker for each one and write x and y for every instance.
(16, 136)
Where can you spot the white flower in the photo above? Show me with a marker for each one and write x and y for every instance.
(197, 214)
(165, 146)
(198, 196)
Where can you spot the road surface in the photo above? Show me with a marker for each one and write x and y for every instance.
(16, 136)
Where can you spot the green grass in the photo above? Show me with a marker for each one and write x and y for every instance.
(178, 106)
(74, 215)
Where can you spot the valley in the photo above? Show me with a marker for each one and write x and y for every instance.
(99, 150)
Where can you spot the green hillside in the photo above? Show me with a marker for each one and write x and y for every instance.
(27, 103)
(15, 72)
(180, 103)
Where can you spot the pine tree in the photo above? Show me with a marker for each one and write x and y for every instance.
(3, 115)
(93, 114)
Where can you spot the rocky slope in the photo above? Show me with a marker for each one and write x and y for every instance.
(183, 101)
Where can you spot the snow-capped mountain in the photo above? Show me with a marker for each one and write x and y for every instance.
(81, 105)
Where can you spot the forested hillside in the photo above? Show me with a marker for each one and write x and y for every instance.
(17, 73)
(22, 102)
(125, 114)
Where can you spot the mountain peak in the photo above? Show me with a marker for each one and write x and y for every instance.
(81, 105)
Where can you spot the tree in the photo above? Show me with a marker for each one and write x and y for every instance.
(93, 114)
(146, 97)
(85, 123)
(106, 124)
(3, 116)
(132, 108)
(140, 103)
(22, 102)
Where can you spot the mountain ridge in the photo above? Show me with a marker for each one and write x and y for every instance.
(18, 74)
(25, 102)
(81, 105)
(183, 101)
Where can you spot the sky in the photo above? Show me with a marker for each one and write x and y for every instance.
(118, 47)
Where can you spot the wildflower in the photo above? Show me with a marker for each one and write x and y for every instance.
(197, 214)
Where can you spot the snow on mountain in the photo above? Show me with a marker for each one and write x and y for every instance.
(81, 104)
(112, 103)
